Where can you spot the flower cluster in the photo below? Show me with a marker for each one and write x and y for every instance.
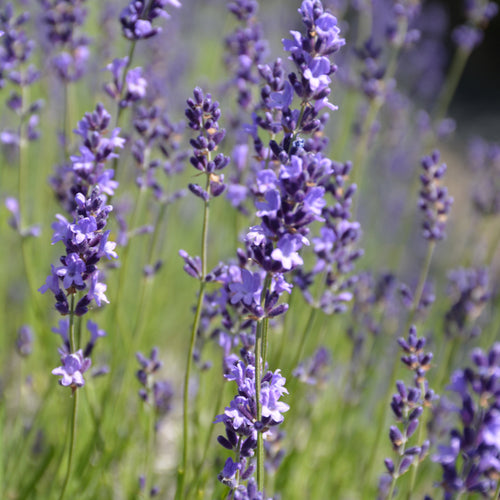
(138, 16)
(310, 53)
(407, 406)
(470, 291)
(434, 201)
(314, 371)
(82, 190)
(240, 418)
(74, 365)
(203, 116)
(372, 76)
(12, 205)
(246, 48)
(478, 14)
(484, 160)
(16, 49)
(125, 89)
(157, 133)
(88, 168)
(158, 393)
(471, 460)
(24, 340)
(61, 19)
(86, 243)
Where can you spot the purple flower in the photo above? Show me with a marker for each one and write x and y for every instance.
(471, 460)
(63, 330)
(97, 290)
(107, 248)
(72, 369)
(248, 291)
(24, 340)
(84, 228)
(314, 201)
(271, 204)
(136, 19)
(287, 250)
(72, 271)
(434, 201)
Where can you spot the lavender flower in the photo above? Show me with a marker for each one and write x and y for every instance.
(137, 18)
(15, 48)
(471, 460)
(434, 201)
(62, 18)
(15, 52)
(24, 340)
(12, 206)
(478, 15)
(240, 418)
(407, 406)
(484, 161)
(470, 292)
(85, 239)
(72, 369)
(314, 371)
(158, 393)
(157, 134)
(245, 49)
(88, 169)
(135, 84)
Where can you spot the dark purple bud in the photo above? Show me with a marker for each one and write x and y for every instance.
(199, 192)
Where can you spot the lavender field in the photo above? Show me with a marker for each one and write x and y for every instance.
(249, 251)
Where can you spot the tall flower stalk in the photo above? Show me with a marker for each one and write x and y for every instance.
(203, 115)
(86, 243)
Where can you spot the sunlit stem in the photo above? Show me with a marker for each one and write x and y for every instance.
(260, 352)
(181, 473)
(72, 437)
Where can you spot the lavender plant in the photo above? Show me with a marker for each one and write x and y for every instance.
(278, 382)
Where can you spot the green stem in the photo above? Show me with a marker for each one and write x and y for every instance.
(421, 283)
(496, 496)
(150, 450)
(258, 378)
(285, 336)
(453, 77)
(23, 171)
(260, 352)
(72, 444)
(144, 302)
(348, 116)
(300, 348)
(181, 473)
(208, 440)
(118, 302)
(122, 95)
(72, 438)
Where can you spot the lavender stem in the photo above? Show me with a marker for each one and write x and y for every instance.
(307, 329)
(376, 104)
(260, 363)
(258, 377)
(453, 77)
(72, 438)
(181, 473)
